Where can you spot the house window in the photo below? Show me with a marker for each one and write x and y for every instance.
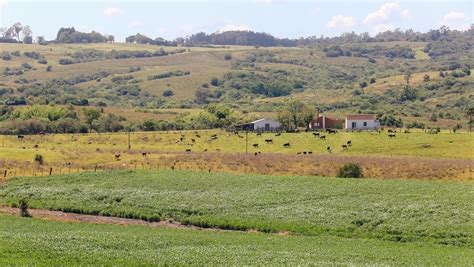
(365, 124)
(354, 124)
(267, 126)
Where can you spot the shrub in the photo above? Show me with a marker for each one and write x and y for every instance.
(39, 159)
(42, 61)
(227, 56)
(66, 61)
(24, 208)
(49, 68)
(6, 56)
(350, 170)
(168, 93)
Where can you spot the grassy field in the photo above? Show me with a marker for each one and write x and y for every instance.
(38, 242)
(396, 210)
(444, 155)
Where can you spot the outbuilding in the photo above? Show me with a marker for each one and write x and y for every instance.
(361, 122)
(261, 125)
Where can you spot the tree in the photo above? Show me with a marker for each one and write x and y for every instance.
(15, 30)
(407, 76)
(470, 115)
(296, 114)
(27, 35)
(91, 115)
(363, 84)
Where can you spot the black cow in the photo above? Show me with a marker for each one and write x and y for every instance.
(322, 137)
(286, 145)
(269, 141)
(255, 145)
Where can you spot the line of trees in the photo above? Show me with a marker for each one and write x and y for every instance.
(17, 33)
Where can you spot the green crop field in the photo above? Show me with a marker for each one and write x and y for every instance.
(395, 210)
(39, 242)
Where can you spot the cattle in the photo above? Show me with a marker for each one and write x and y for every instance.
(198, 136)
(390, 131)
(205, 150)
(255, 154)
(322, 137)
(213, 138)
(330, 131)
(36, 146)
(278, 134)
(89, 142)
(255, 145)
(269, 141)
(193, 140)
(310, 152)
(117, 156)
(20, 136)
(316, 134)
(187, 150)
(214, 135)
(286, 145)
(392, 135)
(97, 149)
(144, 154)
(328, 149)
(241, 136)
(344, 147)
(349, 143)
(41, 133)
(304, 152)
(259, 134)
(181, 139)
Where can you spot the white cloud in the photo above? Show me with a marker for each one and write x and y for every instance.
(383, 14)
(456, 20)
(135, 24)
(341, 21)
(113, 12)
(234, 27)
(3, 4)
(406, 14)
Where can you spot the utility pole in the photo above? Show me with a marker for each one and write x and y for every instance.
(246, 141)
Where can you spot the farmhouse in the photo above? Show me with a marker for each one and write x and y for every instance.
(323, 122)
(260, 125)
(361, 122)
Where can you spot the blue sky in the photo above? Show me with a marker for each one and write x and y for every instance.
(281, 18)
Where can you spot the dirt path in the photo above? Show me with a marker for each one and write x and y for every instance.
(74, 217)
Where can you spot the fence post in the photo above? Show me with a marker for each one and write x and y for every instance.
(95, 169)
(50, 171)
(5, 174)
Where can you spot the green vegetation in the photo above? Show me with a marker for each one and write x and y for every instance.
(395, 210)
(35, 242)
(350, 170)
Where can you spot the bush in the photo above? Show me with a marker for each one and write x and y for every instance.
(39, 159)
(23, 205)
(168, 93)
(49, 68)
(66, 61)
(350, 170)
(227, 56)
(42, 61)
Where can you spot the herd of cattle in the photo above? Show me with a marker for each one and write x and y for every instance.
(268, 141)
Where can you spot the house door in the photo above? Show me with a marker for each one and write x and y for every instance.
(267, 126)
(354, 124)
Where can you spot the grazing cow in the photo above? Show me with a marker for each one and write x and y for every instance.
(24, 147)
(241, 136)
(316, 134)
(344, 147)
(236, 133)
(90, 142)
(198, 136)
(255, 154)
(330, 131)
(278, 134)
(298, 153)
(117, 156)
(391, 131)
(304, 152)
(391, 135)
(255, 145)
(188, 150)
(269, 141)
(41, 133)
(20, 136)
(205, 150)
(322, 137)
(181, 139)
(406, 131)
(328, 149)
(36, 146)
(214, 135)
(97, 149)
(259, 134)
(349, 143)
(286, 145)
(193, 140)
(310, 152)
(144, 154)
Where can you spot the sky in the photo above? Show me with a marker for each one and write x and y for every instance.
(281, 18)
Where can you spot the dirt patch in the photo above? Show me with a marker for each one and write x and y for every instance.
(59, 216)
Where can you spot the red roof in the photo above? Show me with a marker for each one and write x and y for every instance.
(361, 117)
